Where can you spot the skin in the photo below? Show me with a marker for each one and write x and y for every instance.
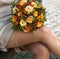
(42, 34)
(38, 50)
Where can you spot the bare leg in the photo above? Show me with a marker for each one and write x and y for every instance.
(38, 50)
(59, 41)
(43, 35)
(51, 41)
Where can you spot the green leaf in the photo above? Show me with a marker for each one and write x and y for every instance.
(14, 3)
(32, 32)
(9, 20)
(28, 0)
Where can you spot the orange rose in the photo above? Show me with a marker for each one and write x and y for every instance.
(30, 19)
(35, 13)
(27, 29)
(20, 13)
(40, 16)
(38, 24)
(14, 18)
(15, 23)
(23, 2)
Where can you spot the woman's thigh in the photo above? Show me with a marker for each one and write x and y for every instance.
(38, 48)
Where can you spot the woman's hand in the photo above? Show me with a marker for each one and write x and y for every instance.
(20, 38)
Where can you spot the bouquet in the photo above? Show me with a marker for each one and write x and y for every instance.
(27, 15)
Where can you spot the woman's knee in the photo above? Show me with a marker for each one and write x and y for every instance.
(39, 48)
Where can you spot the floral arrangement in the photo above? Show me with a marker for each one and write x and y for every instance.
(27, 15)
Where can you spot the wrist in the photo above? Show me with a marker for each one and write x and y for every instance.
(12, 41)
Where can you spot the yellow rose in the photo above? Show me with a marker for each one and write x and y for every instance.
(29, 9)
(25, 1)
(35, 13)
(34, 4)
(30, 19)
(23, 23)
(14, 10)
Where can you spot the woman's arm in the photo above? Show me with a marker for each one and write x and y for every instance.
(19, 39)
(43, 35)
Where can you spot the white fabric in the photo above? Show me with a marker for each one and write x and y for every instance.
(5, 27)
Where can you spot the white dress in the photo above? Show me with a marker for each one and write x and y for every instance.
(5, 27)
(53, 19)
